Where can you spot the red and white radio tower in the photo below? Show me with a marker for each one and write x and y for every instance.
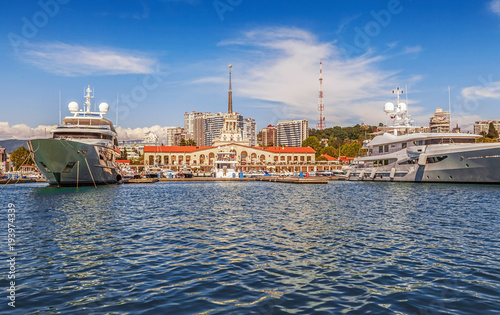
(320, 124)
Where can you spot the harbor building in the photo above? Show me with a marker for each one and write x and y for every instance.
(271, 159)
(270, 136)
(293, 158)
(231, 132)
(292, 133)
(250, 131)
(440, 122)
(482, 126)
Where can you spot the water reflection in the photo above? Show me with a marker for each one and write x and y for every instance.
(260, 248)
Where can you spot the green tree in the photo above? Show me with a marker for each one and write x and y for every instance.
(350, 149)
(331, 151)
(21, 156)
(492, 132)
(313, 142)
(188, 142)
(123, 154)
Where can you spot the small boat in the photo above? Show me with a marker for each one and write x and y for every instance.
(153, 172)
(185, 172)
(225, 165)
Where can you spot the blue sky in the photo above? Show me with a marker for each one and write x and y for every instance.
(164, 58)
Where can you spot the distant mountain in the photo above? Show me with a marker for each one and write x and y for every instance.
(13, 144)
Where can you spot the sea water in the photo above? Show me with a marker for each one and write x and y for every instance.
(251, 247)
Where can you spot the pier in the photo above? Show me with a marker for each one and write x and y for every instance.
(292, 180)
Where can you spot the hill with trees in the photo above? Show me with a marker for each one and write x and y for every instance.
(335, 141)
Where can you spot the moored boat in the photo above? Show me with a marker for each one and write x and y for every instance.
(225, 165)
(403, 153)
(82, 151)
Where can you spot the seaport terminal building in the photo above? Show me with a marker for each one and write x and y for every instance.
(271, 159)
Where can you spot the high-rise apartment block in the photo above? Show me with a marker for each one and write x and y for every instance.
(440, 122)
(250, 131)
(292, 133)
(483, 126)
(170, 134)
(270, 136)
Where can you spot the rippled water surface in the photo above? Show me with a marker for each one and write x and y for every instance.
(248, 247)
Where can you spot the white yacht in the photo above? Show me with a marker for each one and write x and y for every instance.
(82, 151)
(403, 153)
(225, 165)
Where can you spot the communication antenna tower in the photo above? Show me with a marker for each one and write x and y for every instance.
(320, 124)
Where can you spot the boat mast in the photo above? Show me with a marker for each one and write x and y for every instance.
(87, 102)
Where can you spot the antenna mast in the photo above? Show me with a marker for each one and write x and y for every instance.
(320, 124)
(449, 104)
(117, 99)
(87, 102)
(59, 107)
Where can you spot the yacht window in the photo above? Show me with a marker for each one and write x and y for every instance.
(411, 161)
(69, 167)
(46, 168)
(386, 148)
(436, 159)
(404, 145)
(381, 149)
(419, 142)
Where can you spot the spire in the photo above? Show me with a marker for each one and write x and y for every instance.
(230, 100)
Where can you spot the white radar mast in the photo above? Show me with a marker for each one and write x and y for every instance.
(88, 97)
(399, 111)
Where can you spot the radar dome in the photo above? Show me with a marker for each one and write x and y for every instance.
(103, 108)
(404, 107)
(73, 107)
(389, 107)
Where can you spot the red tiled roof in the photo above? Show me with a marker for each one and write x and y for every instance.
(166, 149)
(123, 161)
(345, 159)
(288, 149)
(329, 158)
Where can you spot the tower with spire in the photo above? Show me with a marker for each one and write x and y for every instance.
(230, 96)
(230, 132)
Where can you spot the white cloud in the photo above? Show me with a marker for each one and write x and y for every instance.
(138, 133)
(412, 49)
(495, 6)
(75, 60)
(23, 131)
(283, 71)
(489, 90)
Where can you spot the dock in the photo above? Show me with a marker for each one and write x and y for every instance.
(295, 180)
(140, 181)
(21, 181)
(292, 180)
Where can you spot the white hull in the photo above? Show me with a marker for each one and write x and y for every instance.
(71, 163)
(473, 163)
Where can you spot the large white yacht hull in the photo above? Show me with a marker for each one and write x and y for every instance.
(71, 163)
(476, 163)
